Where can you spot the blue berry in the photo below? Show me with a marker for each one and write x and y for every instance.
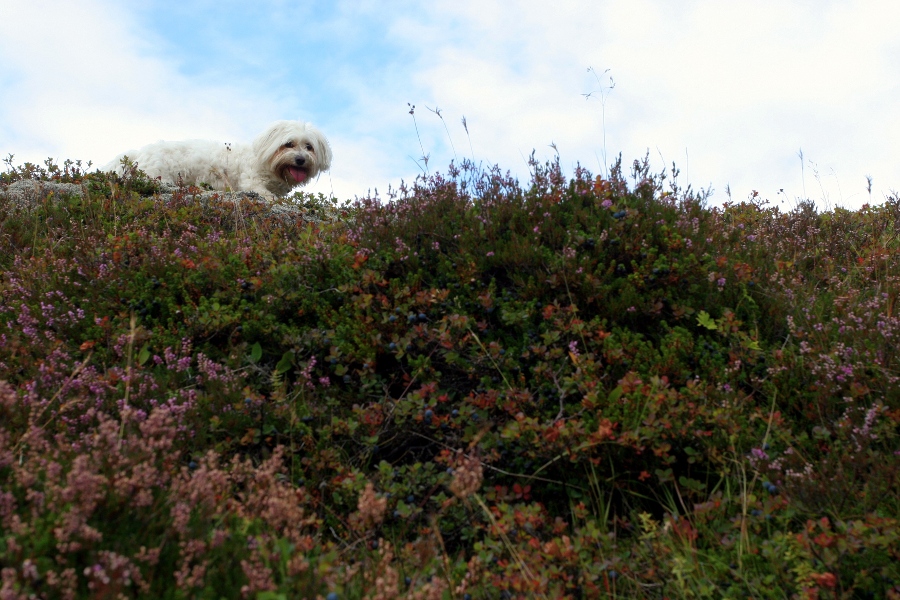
(392, 318)
(392, 346)
(332, 596)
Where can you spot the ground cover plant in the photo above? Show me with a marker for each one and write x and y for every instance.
(575, 387)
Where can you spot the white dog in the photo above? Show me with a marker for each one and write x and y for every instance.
(287, 154)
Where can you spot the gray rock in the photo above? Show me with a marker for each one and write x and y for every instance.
(27, 194)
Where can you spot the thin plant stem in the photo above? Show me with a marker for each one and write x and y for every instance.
(436, 110)
(469, 137)
(412, 111)
(604, 94)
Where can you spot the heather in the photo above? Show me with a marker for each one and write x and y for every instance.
(474, 387)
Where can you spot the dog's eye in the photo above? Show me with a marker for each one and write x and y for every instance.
(309, 147)
(289, 145)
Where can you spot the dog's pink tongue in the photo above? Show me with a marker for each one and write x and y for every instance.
(299, 175)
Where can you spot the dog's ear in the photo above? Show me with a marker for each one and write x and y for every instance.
(268, 141)
(323, 150)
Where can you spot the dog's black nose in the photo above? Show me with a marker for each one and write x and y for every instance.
(300, 161)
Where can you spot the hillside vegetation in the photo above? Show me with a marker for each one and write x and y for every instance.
(580, 387)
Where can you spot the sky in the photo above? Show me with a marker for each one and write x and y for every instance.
(733, 92)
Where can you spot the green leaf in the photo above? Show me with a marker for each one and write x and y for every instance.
(704, 320)
(286, 362)
(144, 354)
(664, 475)
(256, 352)
(691, 484)
(614, 395)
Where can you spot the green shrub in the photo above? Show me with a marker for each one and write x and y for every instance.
(574, 388)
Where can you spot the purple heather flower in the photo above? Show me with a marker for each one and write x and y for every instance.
(758, 454)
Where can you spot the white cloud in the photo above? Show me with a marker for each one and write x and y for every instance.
(86, 85)
(740, 86)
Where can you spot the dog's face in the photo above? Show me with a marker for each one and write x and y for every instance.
(290, 153)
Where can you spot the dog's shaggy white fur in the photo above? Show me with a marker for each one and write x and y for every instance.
(287, 154)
